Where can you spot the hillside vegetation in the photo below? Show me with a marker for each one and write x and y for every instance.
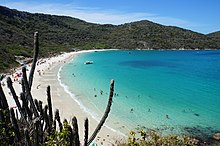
(61, 33)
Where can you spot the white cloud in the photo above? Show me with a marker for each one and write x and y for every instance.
(96, 15)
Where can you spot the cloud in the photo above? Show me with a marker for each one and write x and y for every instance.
(96, 15)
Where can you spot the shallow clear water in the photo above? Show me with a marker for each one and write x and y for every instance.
(149, 86)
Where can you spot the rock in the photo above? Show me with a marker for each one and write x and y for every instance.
(216, 136)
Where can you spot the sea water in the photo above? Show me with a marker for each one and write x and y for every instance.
(169, 91)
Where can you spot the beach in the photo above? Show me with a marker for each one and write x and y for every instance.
(172, 92)
(76, 91)
(46, 74)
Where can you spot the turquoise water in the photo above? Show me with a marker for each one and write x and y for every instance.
(149, 86)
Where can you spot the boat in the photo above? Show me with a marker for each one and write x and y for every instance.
(88, 62)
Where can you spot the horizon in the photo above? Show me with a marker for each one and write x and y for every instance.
(188, 15)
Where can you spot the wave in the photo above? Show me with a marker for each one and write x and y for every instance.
(82, 106)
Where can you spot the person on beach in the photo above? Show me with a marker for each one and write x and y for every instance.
(39, 72)
(3, 83)
(38, 86)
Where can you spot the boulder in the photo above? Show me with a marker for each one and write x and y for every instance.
(216, 136)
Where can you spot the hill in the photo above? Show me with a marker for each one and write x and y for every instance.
(61, 33)
(215, 37)
(215, 34)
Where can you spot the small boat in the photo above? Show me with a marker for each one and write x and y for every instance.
(88, 62)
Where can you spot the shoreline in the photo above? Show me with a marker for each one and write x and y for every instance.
(64, 101)
(81, 105)
(46, 73)
(162, 128)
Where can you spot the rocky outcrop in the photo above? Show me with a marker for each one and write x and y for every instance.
(216, 136)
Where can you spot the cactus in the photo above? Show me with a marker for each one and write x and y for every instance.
(15, 124)
(46, 119)
(2, 116)
(54, 124)
(16, 113)
(49, 104)
(36, 132)
(75, 132)
(36, 104)
(70, 136)
(28, 93)
(9, 82)
(3, 101)
(86, 125)
(22, 86)
(108, 108)
(27, 137)
(4, 105)
(57, 117)
(37, 124)
(40, 103)
(36, 52)
(25, 106)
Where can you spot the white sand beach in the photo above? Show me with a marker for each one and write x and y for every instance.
(46, 74)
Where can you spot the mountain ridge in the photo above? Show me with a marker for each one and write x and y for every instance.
(62, 33)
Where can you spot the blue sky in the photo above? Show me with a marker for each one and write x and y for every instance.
(198, 15)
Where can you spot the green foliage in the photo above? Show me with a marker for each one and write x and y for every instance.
(152, 138)
(61, 138)
(6, 131)
(215, 34)
(7, 60)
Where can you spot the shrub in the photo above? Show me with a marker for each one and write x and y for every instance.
(152, 138)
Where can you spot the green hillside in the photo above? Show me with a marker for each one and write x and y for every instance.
(61, 33)
(215, 34)
(215, 38)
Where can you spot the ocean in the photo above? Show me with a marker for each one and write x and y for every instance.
(173, 92)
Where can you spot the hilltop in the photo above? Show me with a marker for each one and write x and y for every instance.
(62, 33)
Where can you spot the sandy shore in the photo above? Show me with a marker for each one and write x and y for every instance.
(46, 74)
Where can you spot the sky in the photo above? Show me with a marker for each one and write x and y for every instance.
(201, 16)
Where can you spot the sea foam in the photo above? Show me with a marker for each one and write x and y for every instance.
(81, 105)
